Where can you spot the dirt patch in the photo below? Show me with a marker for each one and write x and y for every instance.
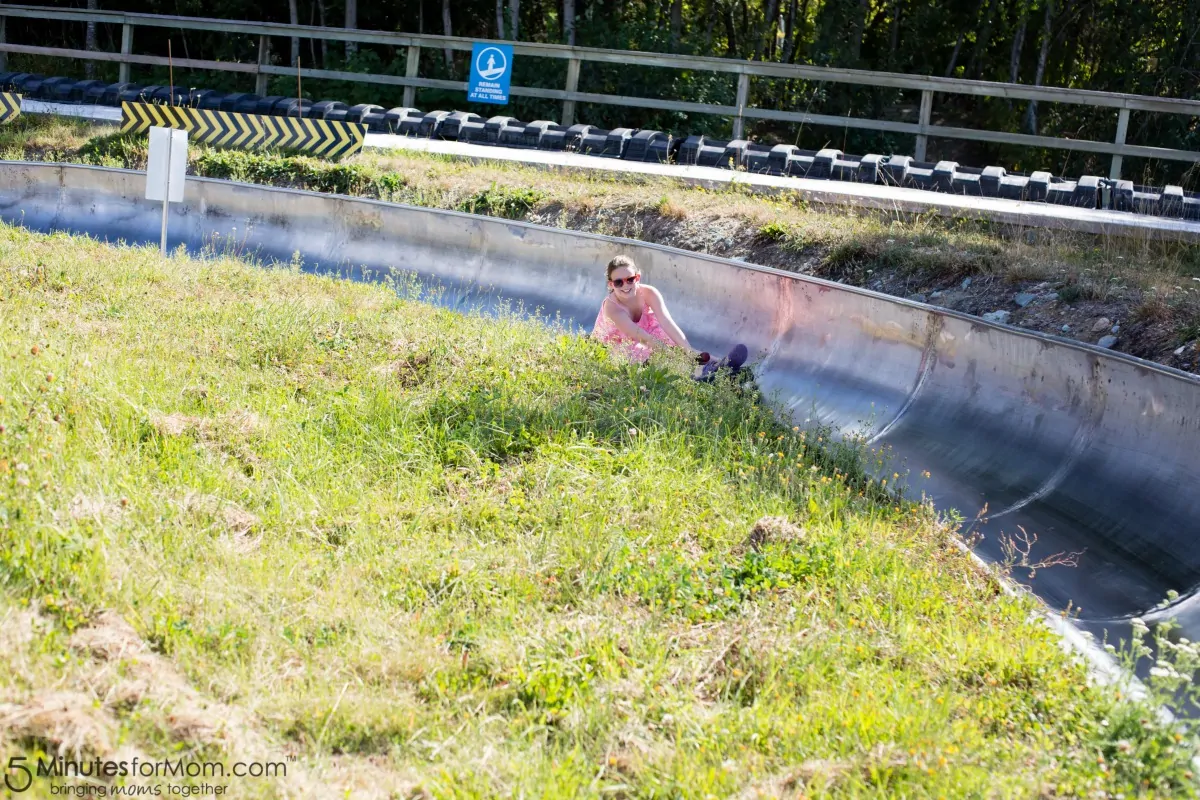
(408, 371)
(241, 421)
(176, 424)
(769, 530)
(70, 722)
(825, 774)
(229, 434)
(132, 674)
(237, 526)
(97, 508)
(128, 673)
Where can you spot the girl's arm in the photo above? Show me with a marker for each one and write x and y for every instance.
(620, 318)
(655, 300)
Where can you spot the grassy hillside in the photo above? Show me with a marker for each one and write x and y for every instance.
(249, 514)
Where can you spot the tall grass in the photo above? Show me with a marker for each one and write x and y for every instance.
(474, 557)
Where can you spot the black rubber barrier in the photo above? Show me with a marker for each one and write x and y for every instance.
(1087, 191)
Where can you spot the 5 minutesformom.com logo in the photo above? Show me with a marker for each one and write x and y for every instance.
(19, 775)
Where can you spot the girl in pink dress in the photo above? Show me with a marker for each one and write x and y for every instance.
(634, 316)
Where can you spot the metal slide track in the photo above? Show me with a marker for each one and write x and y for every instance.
(1091, 450)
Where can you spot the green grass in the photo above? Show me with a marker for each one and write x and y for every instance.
(453, 556)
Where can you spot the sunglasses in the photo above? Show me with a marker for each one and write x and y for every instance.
(619, 282)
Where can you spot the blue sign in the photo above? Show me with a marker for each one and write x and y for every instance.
(491, 71)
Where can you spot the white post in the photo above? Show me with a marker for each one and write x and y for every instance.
(162, 243)
(166, 170)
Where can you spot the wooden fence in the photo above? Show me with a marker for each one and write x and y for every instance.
(576, 56)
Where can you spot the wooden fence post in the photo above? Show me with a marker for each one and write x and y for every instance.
(923, 121)
(1122, 128)
(126, 49)
(264, 58)
(743, 95)
(568, 115)
(412, 69)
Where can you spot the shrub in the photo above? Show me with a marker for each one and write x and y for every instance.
(125, 150)
(502, 201)
(774, 231)
(298, 172)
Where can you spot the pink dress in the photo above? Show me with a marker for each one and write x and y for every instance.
(606, 331)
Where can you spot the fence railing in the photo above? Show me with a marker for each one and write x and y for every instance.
(745, 71)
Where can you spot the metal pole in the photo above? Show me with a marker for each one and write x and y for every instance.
(923, 121)
(264, 58)
(743, 94)
(1122, 128)
(126, 49)
(568, 117)
(166, 197)
(3, 40)
(411, 69)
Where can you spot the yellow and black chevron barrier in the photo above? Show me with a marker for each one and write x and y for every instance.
(227, 129)
(10, 107)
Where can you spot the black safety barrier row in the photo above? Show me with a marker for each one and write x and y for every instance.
(632, 144)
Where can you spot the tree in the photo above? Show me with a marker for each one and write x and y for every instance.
(975, 65)
(730, 31)
(1014, 64)
(514, 16)
(894, 35)
(676, 24)
(89, 67)
(351, 24)
(858, 31)
(568, 21)
(770, 21)
(789, 33)
(294, 18)
(1047, 30)
(324, 43)
(449, 54)
(499, 19)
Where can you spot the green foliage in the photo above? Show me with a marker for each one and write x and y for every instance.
(125, 150)
(1070, 293)
(300, 172)
(775, 231)
(503, 201)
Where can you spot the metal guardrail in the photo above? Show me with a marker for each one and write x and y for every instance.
(575, 56)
